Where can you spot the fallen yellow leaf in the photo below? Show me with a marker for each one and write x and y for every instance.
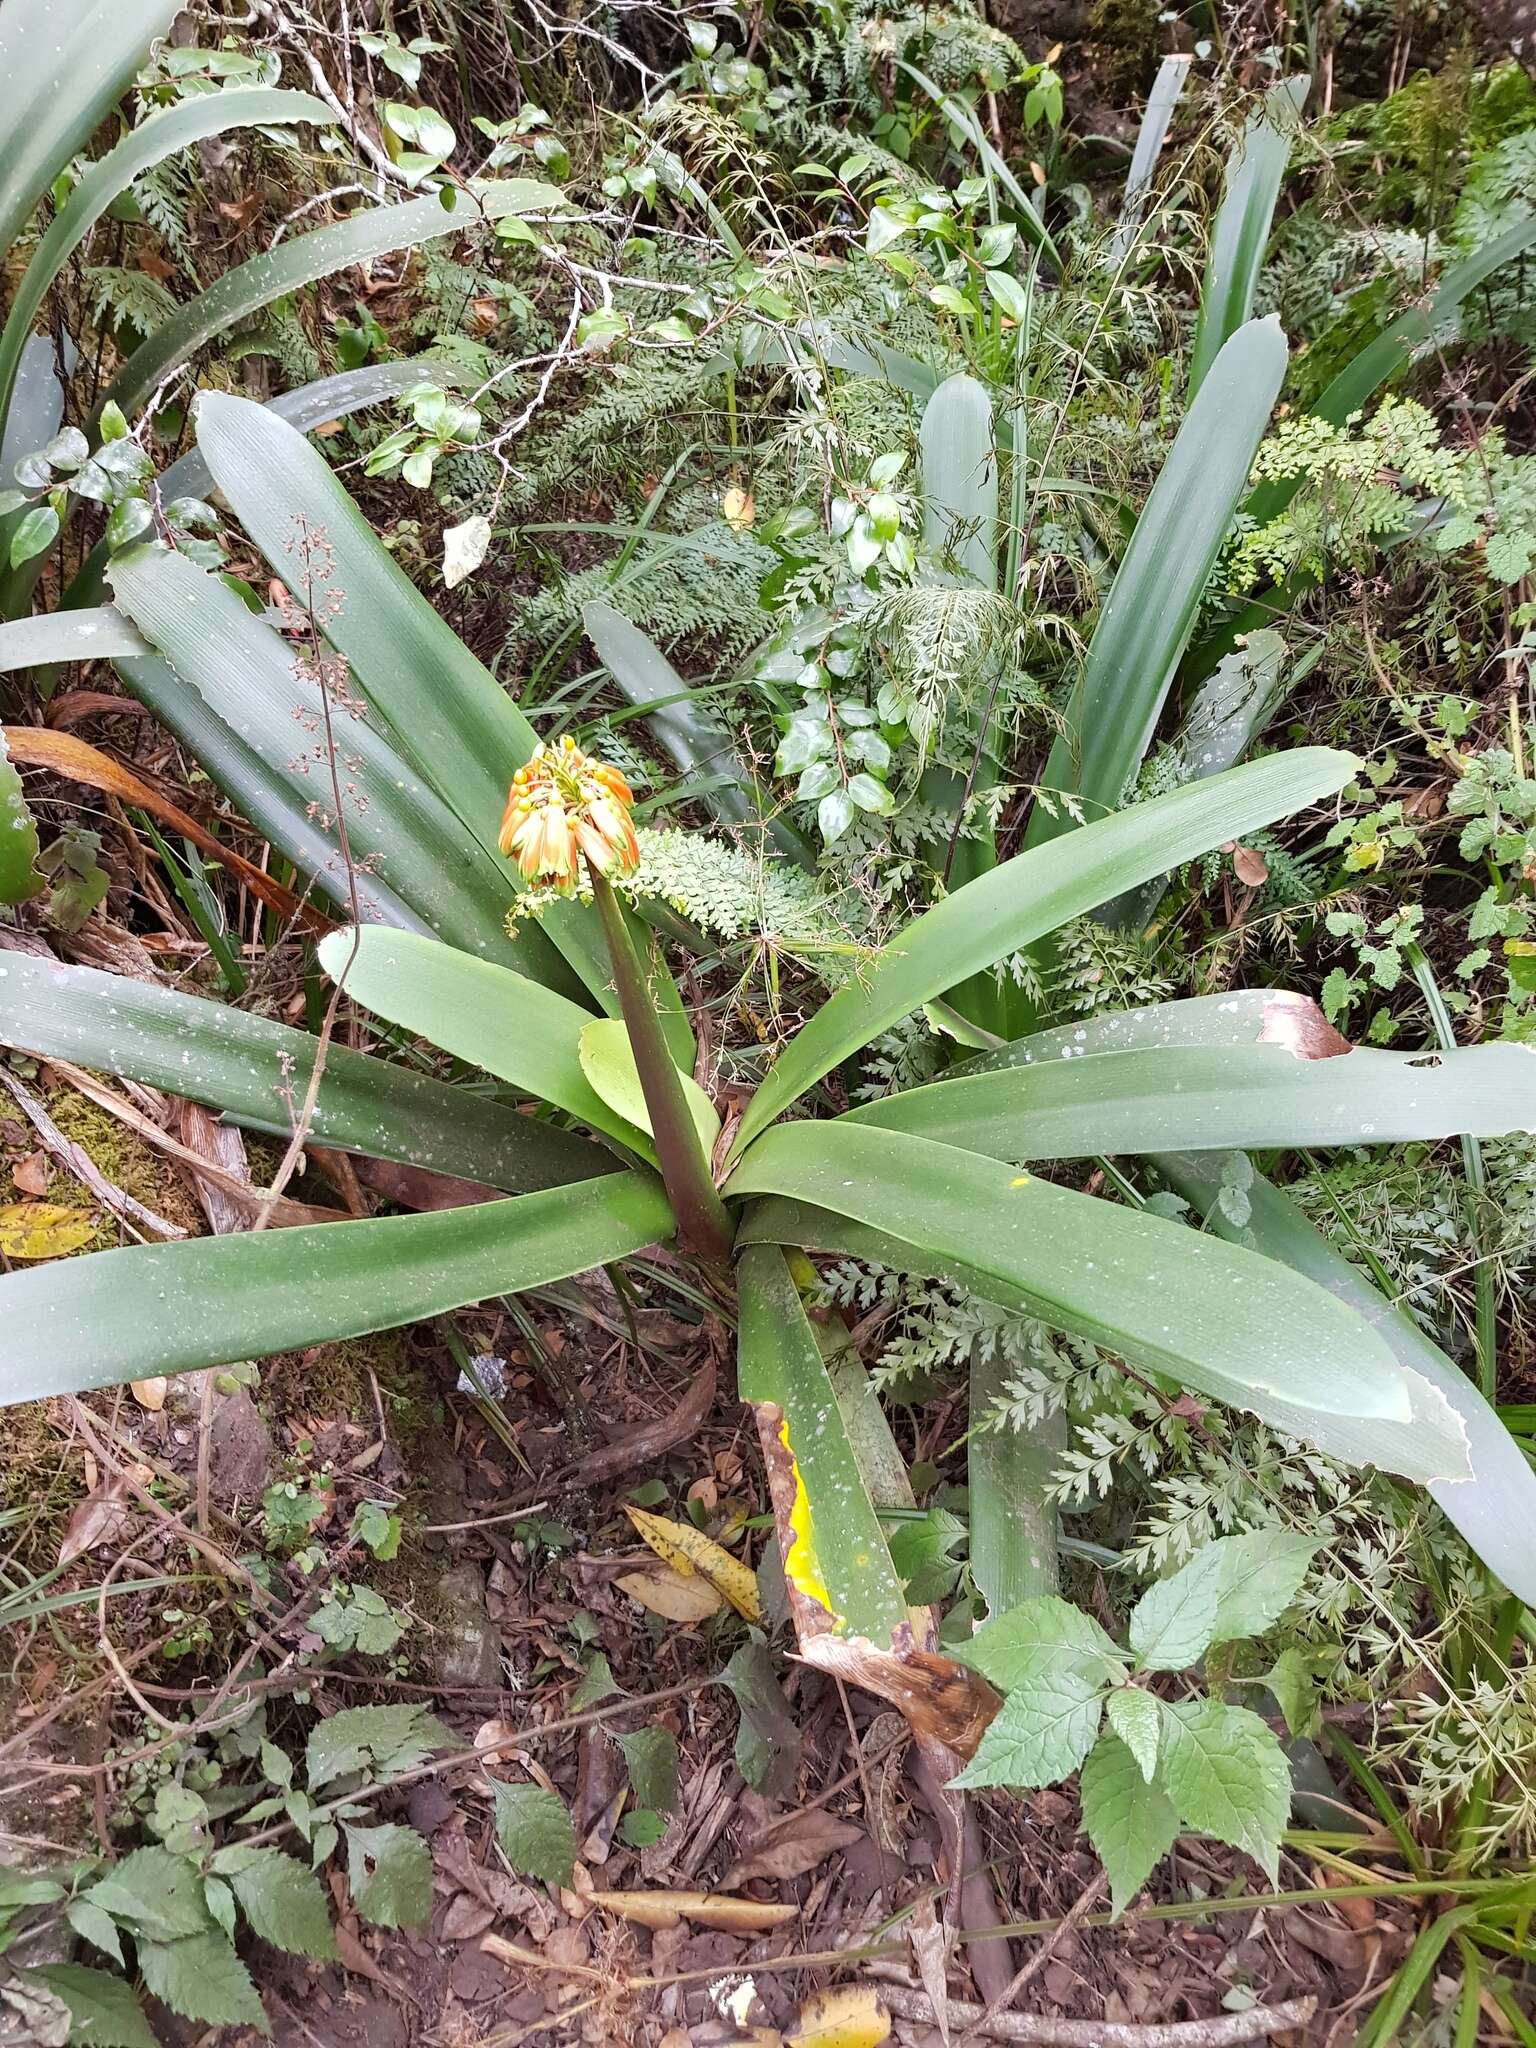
(688, 1549)
(738, 509)
(707, 1909)
(43, 1230)
(849, 2017)
(150, 1393)
(673, 1595)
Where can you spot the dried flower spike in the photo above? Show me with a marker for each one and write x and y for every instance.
(564, 805)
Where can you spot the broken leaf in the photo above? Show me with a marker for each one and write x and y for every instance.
(794, 1847)
(44, 1230)
(849, 2017)
(688, 1549)
(465, 547)
(706, 1909)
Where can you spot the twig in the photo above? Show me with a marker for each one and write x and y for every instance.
(1042, 1955)
(1224, 2031)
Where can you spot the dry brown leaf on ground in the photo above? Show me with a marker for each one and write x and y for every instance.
(852, 2016)
(104, 1514)
(688, 1549)
(149, 1393)
(798, 1846)
(705, 1909)
(668, 1593)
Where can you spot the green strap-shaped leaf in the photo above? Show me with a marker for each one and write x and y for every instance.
(64, 68)
(1029, 896)
(162, 1308)
(396, 826)
(162, 135)
(837, 1543)
(1494, 1507)
(19, 878)
(1194, 1098)
(257, 1072)
(1155, 598)
(959, 474)
(1165, 1297)
(1167, 89)
(1240, 232)
(446, 711)
(100, 634)
(495, 1019)
(379, 231)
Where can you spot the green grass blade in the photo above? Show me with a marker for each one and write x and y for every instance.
(395, 824)
(1151, 608)
(839, 1542)
(162, 135)
(161, 1308)
(257, 1073)
(1219, 1319)
(1022, 900)
(499, 1021)
(65, 68)
(996, 171)
(380, 231)
(1195, 1098)
(1240, 232)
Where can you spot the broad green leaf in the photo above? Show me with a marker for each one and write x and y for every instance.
(1136, 1718)
(836, 1551)
(534, 1831)
(1015, 1648)
(397, 828)
(1227, 1776)
(19, 878)
(767, 1746)
(164, 1308)
(447, 713)
(94, 1924)
(486, 1014)
(1258, 1577)
(376, 231)
(607, 1059)
(387, 1740)
(389, 1874)
(650, 1757)
(1024, 898)
(64, 70)
(1129, 1820)
(281, 1898)
(202, 1979)
(959, 477)
(103, 2009)
(163, 134)
(1240, 231)
(1489, 1490)
(97, 635)
(1041, 1733)
(1207, 1097)
(1150, 1290)
(155, 1895)
(257, 1072)
(1289, 1678)
(699, 745)
(1151, 609)
(1173, 1621)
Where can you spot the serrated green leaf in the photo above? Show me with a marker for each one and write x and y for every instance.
(1258, 1579)
(1042, 1732)
(96, 1926)
(1173, 1622)
(640, 1828)
(1131, 1823)
(650, 1757)
(282, 1900)
(392, 1739)
(1038, 1636)
(154, 1895)
(19, 1889)
(1135, 1718)
(103, 2010)
(534, 1832)
(1227, 1775)
(202, 1978)
(596, 1682)
(389, 1873)
(1289, 1678)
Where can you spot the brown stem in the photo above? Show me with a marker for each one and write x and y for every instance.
(703, 1226)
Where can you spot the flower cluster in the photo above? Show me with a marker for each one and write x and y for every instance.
(563, 803)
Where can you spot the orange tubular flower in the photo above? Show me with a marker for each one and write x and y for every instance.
(563, 804)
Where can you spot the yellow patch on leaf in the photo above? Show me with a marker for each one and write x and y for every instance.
(849, 2017)
(801, 1566)
(44, 1230)
(689, 1550)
